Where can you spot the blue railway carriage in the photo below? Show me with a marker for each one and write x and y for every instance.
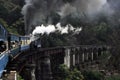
(14, 44)
(3, 39)
(25, 42)
(3, 49)
(11, 45)
(18, 44)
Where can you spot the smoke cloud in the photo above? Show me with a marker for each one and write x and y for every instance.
(37, 12)
(90, 7)
(41, 30)
(58, 28)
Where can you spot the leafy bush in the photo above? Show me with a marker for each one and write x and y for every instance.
(19, 77)
(76, 75)
(9, 28)
(93, 75)
(67, 74)
(113, 78)
(3, 22)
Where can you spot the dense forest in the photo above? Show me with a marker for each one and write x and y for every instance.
(103, 30)
(10, 15)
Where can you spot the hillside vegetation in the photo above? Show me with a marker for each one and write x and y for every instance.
(10, 15)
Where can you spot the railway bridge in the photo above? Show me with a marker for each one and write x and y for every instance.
(41, 63)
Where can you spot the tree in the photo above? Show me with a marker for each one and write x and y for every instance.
(67, 74)
(93, 75)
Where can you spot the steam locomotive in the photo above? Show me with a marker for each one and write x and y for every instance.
(11, 45)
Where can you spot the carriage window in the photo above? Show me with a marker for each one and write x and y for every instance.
(14, 44)
(2, 46)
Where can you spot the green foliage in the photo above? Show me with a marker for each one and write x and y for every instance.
(76, 75)
(95, 34)
(10, 29)
(93, 75)
(102, 31)
(117, 77)
(10, 16)
(2, 22)
(54, 40)
(3, 11)
(67, 74)
(19, 77)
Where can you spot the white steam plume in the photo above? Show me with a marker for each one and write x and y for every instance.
(44, 29)
(51, 28)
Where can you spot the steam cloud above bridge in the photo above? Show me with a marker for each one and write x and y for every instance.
(58, 28)
(37, 12)
(41, 30)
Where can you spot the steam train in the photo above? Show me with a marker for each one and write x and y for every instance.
(11, 45)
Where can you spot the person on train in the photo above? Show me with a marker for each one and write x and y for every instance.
(2, 46)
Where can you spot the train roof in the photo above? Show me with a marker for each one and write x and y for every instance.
(19, 35)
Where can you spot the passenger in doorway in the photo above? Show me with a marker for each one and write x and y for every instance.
(2, 46)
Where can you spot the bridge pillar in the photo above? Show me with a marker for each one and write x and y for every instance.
(46, 67)
(89, 51)
(80, 55)
(43, 69)
(87, 56)
(92, 56)
(33, 73)
(74, 54)
(76, 57)
(83, 57)
(67, 57)
(38, 70)
(28, 72)
(97, 54)
(71, 59)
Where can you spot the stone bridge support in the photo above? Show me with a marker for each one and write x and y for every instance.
(80, 55)
(43, 68)
(67, 57)
(37, 66)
